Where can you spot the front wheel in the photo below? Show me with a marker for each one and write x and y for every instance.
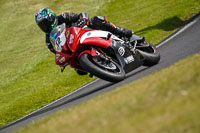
(103, 68)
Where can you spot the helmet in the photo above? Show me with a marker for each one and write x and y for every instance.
(46, 19)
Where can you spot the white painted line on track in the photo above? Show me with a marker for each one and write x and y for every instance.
(56, 100)
(180, 31)
(69, 94)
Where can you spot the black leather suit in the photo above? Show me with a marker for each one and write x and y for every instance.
(97, 22)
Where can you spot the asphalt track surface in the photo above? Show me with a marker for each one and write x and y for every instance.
(183, 43)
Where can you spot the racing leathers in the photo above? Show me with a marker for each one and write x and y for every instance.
(82, 19)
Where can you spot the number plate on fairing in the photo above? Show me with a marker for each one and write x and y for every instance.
(58, 38)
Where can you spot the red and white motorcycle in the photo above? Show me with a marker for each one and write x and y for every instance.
(101, 53)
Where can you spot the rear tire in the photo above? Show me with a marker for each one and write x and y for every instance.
(89, 64)
(150, 54)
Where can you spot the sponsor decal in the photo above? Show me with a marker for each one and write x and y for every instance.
(67, 34)
(62, 60)
(64, 15)
(56, 35)
(129, 59)
(71, 39)
(114, 43)
(121, 51)
(89, 33)
(57, 56)
(39, 17)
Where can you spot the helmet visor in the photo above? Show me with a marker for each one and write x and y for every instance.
(45, 26)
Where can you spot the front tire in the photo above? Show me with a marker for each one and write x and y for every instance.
(113, 72)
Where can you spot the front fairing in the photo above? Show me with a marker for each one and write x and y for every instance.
(72, 35)
(66, 41)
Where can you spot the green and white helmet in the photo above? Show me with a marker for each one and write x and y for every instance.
(46, 19)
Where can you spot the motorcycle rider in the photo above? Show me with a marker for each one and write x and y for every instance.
(47, 20)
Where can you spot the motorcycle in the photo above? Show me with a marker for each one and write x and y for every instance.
(101, 53)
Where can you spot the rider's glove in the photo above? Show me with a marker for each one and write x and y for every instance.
(82, 22)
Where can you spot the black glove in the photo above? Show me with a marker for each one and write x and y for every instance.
(82, 22)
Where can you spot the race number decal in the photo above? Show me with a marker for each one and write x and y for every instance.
(60, 41)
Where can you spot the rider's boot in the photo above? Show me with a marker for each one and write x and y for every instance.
(121, 32)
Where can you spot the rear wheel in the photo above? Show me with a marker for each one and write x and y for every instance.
(102, 67)
(149, 52)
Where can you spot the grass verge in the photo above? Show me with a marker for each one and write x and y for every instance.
(159, 103)
(29, 78)
(155, 19)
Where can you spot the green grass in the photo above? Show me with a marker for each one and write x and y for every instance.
(153, 19)
(29, 77)
(148, 105)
